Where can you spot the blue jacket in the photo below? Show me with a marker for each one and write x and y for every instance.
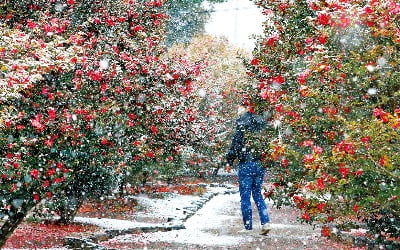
(248, 121)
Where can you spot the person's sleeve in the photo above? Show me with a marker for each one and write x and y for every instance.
(259, 122)
(234, 149)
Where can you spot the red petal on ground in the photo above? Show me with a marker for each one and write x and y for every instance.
(38, 235)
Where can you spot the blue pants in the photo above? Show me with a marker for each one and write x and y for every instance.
(251, 176)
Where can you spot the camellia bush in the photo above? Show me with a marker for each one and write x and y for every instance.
(85, 98)
(328, 72)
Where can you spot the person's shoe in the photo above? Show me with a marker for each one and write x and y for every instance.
(265, 229)
(245, 231)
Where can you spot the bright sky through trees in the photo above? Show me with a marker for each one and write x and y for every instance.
(236, 20)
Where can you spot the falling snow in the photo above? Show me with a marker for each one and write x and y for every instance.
(125, 110)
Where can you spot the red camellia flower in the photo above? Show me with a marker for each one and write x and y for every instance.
(15, 165)
(358, 172)
(303, 77)
(272, 40)
(137, 28)
(60, 165)
(104, 141)
(324, 18)
(306, 217)
(321, 206)
(51, 172)
(8, 123)
(344, 171)
(278, 79)
(320, 183)
(322, 39)
(52, 113)
(265, 69)
(20, 127)
(346, 147)
(95, 75)
(150, 154)
(297, 199)
(110, 21)
(46, 184)
(381, 114)
(13, 187)
(326, 231)
(31, 24)
(103, 87)
(255, 61)
(283, 6)
(355, 208)
(368, 10)
(330, 110)
(131, 116)
(307, 143)
(309, 158)
(385, 118)
(317, 150)
(34, 173)
(284, 162)
(384, 161)
(365, 139)
(36, 123)
(344, 21)
(377, 112)
(58, 180)
(36, 197)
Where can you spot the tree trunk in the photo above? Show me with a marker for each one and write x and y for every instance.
(121, 188)
(215, 172)
(122, 183)
(70, 209)
(12, 223)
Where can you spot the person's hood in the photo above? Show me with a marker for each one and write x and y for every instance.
(251, 122)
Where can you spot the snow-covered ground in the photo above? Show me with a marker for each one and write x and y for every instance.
(203, 228)
(217, 225)
(171, 210)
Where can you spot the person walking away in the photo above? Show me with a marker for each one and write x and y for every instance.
(250, 170)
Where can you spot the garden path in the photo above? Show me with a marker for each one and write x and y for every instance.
(217, 224)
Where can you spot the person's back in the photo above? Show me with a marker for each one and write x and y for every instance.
(251, 173)
(247, 123)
